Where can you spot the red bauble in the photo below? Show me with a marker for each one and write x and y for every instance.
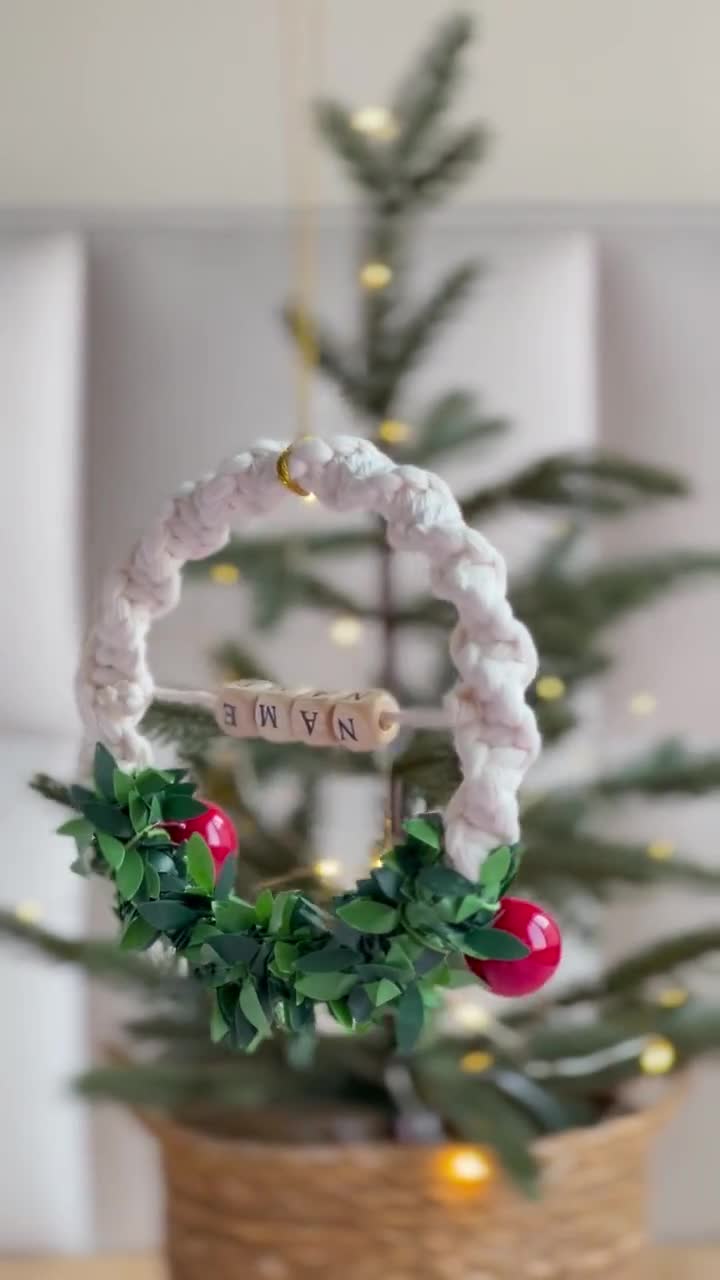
(214, 826)
(533, 926)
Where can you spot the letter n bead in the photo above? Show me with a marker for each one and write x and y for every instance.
(359, 724)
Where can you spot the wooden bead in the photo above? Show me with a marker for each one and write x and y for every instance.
(311, 717)
(357, 720)
(272, 715)
(235, 708)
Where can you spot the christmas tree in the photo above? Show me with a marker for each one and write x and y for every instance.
(505, 1080)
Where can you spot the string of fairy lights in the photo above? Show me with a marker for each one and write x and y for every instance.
(656, 1055)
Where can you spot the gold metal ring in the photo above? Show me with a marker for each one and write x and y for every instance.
(283, 470)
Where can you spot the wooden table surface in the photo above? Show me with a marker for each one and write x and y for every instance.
(663, 1264)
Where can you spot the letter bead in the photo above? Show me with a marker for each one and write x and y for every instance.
(235, 707)
(272, 715)
(357, 722)
(311, 718)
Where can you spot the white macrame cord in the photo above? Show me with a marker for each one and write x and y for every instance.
(494, 730)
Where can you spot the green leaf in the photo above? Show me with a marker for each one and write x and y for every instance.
(368, 916)
(496, 867)
(152, 881)
(178, 808)
(388, 882)
(203, 930)
(122, 786)
(470, 906)
(282, 910)
(244, 1032)
(234, 915)
(327, 960)
(107, 818)
(152, 781)
(325, 986)
(493, 944)
(80, 829)
(226, 878)
(252, 1008)
(138, 936)
(103, 770)
(139, 814)
(130, 875)
(167, 913)
(382, 992)
(445, 882)
(398, 955)
(264, 906)
(199, 863)
(285, 955)
(341, 1013)
(423, 831)
(218, 1026)
(409, 1019)
(111, 849)
(234, 948)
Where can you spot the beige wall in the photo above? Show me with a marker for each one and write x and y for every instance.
(183, 103)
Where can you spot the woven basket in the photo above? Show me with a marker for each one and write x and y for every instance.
(384, 1211)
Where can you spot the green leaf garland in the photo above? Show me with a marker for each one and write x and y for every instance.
(381, 951)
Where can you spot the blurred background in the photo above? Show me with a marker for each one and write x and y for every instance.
(154, 157)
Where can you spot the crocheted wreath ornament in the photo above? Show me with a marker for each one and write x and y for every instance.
(384, 948)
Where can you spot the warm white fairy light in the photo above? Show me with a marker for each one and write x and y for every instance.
(375, 122)
(470, 1016)
(550, 688)
(465, 1165)
(29, 911)
(658, 1057)
(642, 703)
(226, 575)
(660, 850)
(476, 1062)
(673, 997)
(345, 631)
(375, 275)
(393, 432)
(327, 869)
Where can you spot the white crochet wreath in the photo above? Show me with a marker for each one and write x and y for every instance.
(494, 730)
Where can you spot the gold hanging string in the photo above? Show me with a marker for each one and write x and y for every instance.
(301, 29)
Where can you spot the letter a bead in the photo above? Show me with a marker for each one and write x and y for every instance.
(311, 718)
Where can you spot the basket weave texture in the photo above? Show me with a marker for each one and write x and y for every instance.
(384, 1211)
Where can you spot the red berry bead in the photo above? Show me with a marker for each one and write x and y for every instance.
(214, 826)
(533, 926)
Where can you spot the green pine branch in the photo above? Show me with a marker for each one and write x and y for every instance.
(597, 483)
(431, 179)
(584, 861)
(191, 730)
(424, 97)
(653, 961)
(409, 341)
(451, 422)
(104, 961)
(328, 355)
(365, 162)
(52, 789)
(565, 612)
